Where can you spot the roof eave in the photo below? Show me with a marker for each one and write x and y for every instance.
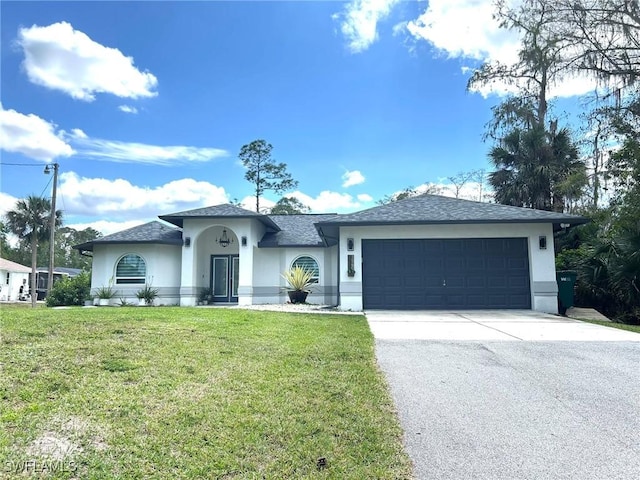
(290, 245)
(571, 221)
(179, 220)
(88, 246)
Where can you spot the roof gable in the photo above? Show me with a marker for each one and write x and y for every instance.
(226, 210)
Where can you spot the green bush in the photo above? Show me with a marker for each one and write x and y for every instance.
(70, 291)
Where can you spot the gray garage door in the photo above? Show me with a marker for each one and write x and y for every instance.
(471, 273)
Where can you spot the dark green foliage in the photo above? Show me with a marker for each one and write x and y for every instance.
(64, 254)
(537, 169)
(29, 221)
(70, 291)
(289, 206)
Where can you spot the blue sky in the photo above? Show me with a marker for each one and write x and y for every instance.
(145, 105)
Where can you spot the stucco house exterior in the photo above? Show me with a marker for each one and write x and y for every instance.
(426, 252)
(12, 276)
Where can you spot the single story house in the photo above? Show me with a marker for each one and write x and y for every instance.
(425, 252)
(42, 278)
(12, 277)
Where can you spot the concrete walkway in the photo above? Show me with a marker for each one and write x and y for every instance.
(489, 325)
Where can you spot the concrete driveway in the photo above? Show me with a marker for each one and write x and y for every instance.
(489, 325)
(512, 395)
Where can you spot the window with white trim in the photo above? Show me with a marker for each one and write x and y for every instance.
(131, 269)
(310, 264)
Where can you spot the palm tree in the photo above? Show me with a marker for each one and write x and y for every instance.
(30, 221)
(537, 169)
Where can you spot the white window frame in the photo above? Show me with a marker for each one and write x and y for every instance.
(316, 277)
(137, 280)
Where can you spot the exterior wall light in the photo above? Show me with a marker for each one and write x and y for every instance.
(542, 242)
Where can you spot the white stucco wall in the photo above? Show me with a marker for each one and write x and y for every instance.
(541, 262)
(163, 270)
(196, 259)
(10, 289)
(270, 263)
(260, 268)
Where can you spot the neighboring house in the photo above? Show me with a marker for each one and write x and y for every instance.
(426, 252)
(12, 277)
(42, 278)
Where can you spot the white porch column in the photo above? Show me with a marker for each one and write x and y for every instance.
(245, 282)
(188, 289)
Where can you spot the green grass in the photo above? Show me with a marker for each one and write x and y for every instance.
(621, 326)
(194, 393)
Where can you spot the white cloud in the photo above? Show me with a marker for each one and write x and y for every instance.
(107, 227)
(131, 152)
(469, 191)
(128, 109)
(7, 202)
(359, 22)
(352, 178)
(36, 138)
(31, 136)
(466, 29)
(365, 198)
(62, 58)
(249, 203)
(120, 200)
(328, 201)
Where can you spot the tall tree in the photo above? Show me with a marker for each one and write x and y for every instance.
(459, 180)
(5, 248)
(601, 37)
(540, 66)
(289, 206)
(263, 172)
(30, 221)
(536, 169)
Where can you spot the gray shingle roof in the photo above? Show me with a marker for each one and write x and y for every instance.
(295, 231)
(152, 232)
(435, 209)
(225, 210)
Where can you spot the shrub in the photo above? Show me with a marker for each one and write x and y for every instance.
(70, 291)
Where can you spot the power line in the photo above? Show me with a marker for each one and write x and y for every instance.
(22, 164)
(46, 186)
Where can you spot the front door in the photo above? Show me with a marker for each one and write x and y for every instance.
(224, 278)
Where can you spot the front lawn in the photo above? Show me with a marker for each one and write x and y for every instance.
(193, 393)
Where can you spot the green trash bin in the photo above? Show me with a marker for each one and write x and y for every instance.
(566, 282)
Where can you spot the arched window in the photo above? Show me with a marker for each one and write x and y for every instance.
(131, 269)
(308, 263)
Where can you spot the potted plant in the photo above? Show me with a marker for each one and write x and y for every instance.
(147, 295)
(203, 296)
(105, 294)
(299, 281)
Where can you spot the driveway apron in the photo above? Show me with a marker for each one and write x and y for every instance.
(512, 395)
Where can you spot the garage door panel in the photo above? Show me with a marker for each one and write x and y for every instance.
(477, 282)
(517, 263)
(479, 273)
(457, 281)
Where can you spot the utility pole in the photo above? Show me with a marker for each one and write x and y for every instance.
(52, 223)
